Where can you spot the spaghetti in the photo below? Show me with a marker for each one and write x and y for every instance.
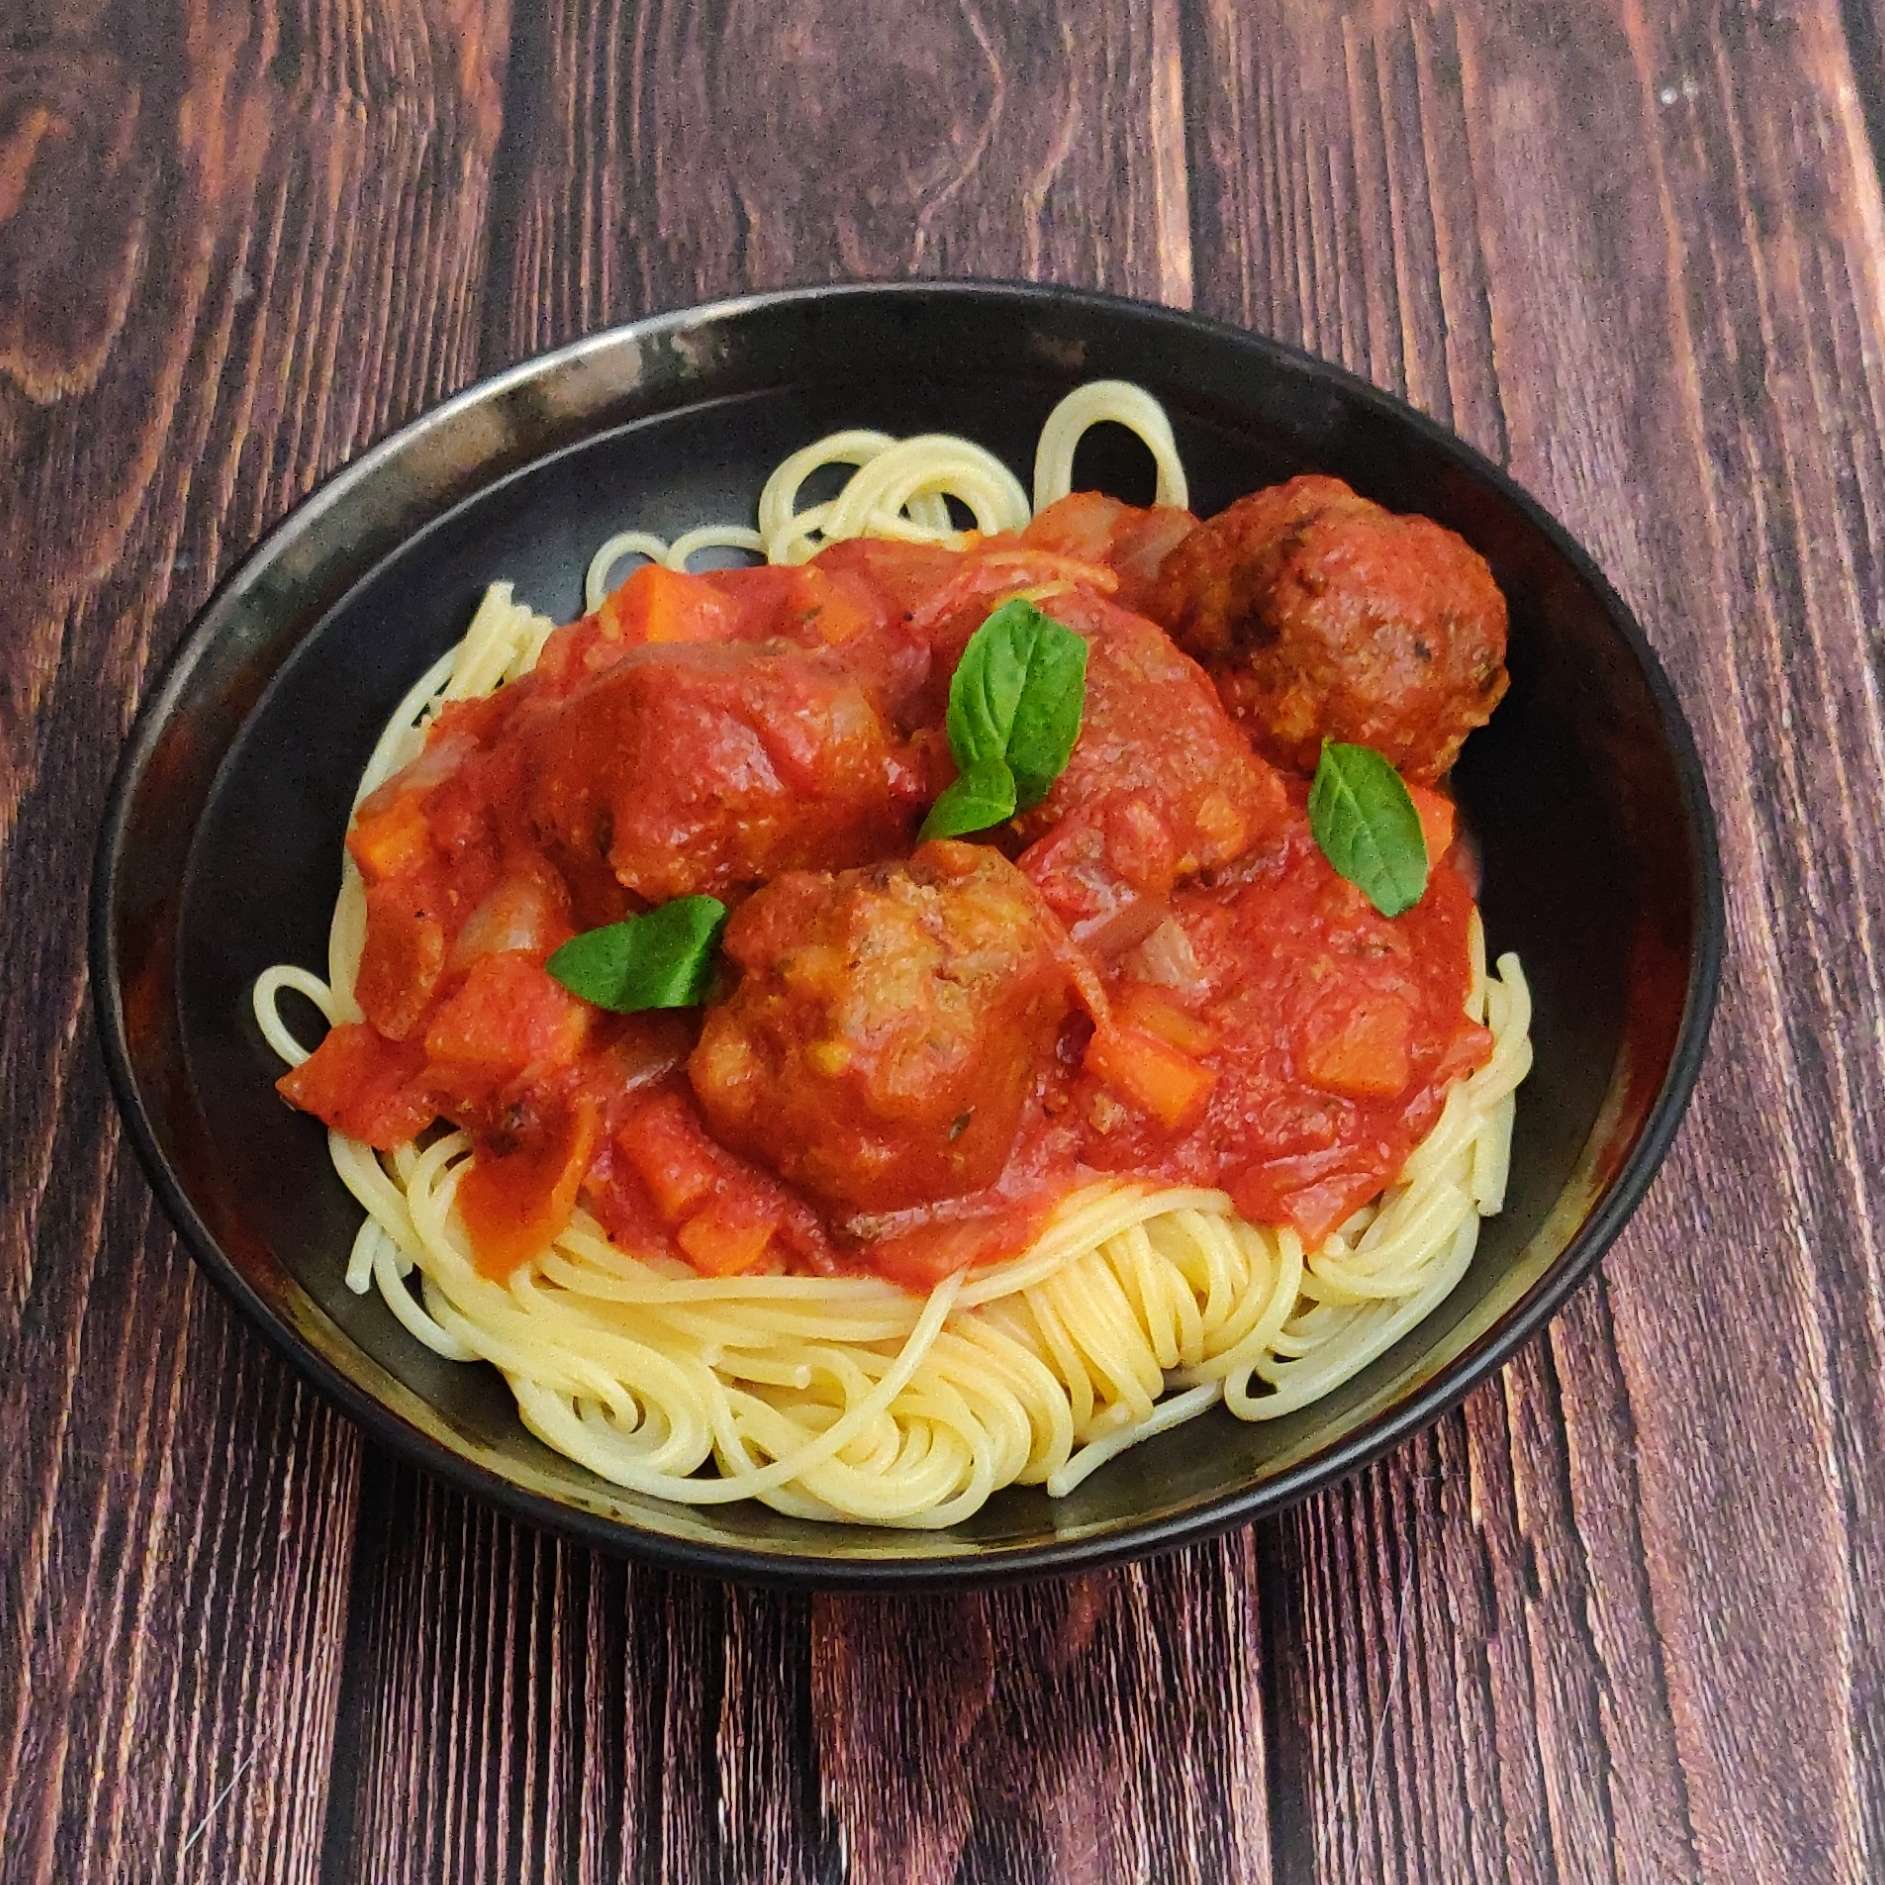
(1139, 1305)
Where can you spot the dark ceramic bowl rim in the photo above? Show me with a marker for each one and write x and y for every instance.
(1574, 1263)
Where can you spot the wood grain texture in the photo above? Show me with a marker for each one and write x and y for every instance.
(222, 273)
(1612, 1621)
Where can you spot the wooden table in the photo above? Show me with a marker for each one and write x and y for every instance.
(1619, 1617)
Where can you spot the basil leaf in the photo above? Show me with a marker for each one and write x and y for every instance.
(1047, 716)
(1363, 817)
(984, 795)
(1016, 697)
(660, 959)
(986, 687)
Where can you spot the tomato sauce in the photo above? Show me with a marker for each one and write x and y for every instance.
(1239, 1016)
(1327, 1033)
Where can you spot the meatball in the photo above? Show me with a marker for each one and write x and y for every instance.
(1162, 782)
(1321, 615)
(888, 1029)
(702, 768)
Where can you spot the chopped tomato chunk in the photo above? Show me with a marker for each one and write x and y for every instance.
(921, 1256)
(669, 1151)
(1277, 1193)
(506, 1018)
(522, 1187)
(404, 955)
(834, 609)
(1131, 543)
(363, 1085)
(1468, 1051)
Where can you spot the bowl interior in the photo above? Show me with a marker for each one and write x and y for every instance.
(223, 852)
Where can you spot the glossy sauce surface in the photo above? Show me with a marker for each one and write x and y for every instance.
(911, 1052)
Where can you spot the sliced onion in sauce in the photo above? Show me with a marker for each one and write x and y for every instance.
(1147, 546)
(649, 1047)
(1114, 931)
(437, 761)
(1167, 958)
(519, 914)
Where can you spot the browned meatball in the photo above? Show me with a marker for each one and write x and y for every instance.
(888, 1027)
(1321, 615)
(1162, 783)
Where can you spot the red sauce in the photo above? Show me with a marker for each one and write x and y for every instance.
(1330, 1035)
(1231, 1014)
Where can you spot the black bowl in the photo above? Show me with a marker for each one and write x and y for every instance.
(219, 853)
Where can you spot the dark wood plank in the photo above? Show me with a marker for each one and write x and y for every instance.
(1108, 1727)
(555, 1715)
(1635, 253)
(647, 163)
(220, 273)
(1780, 299)
(514, 1701)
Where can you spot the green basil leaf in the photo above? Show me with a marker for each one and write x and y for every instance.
(660, 959)
(1047, 716)
(1364, 819)
(1016, 697)
(986, 686)
(984, 795)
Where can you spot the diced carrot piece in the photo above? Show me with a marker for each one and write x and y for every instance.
(1168, 1083)
(1468, 1051)
(1144, 1008)
(515, 1200)
(1365, 1054)
(665, 605)
(1436, 820)
(670, 1153)
(727, 1238)
(363, 1085)
(390, 836)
